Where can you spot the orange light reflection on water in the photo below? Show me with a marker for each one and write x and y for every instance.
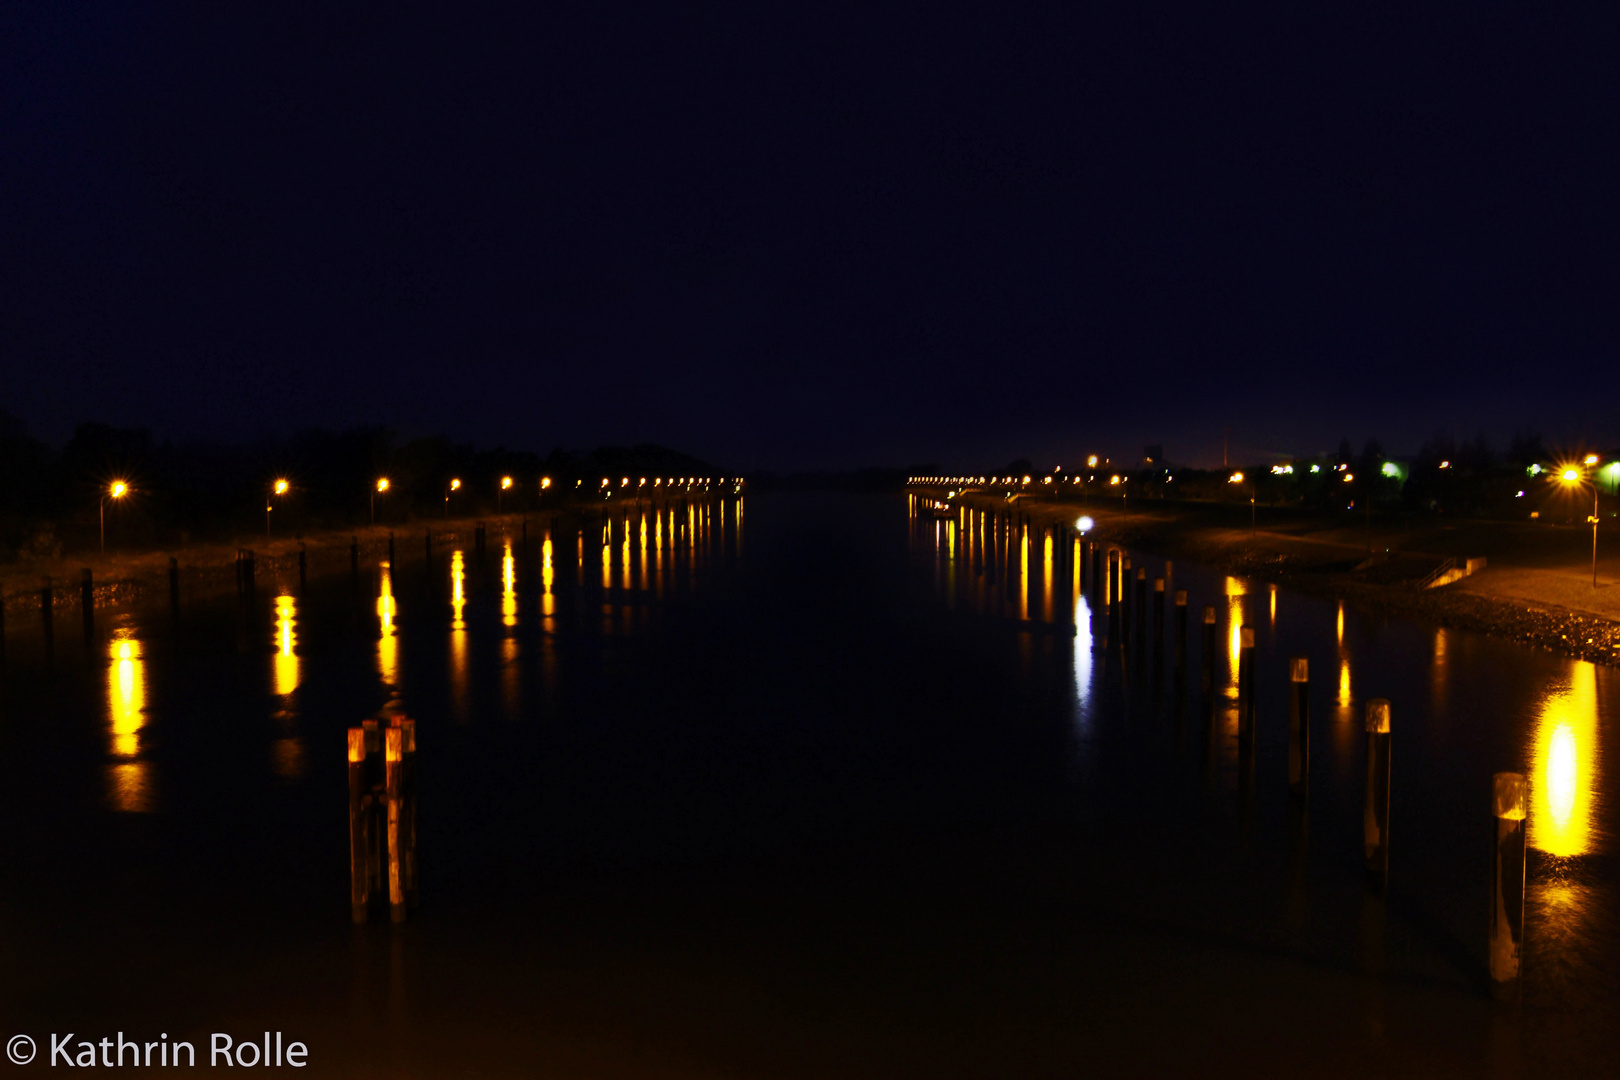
(129, 782)
(1566, 766)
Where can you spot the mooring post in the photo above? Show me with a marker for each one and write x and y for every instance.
(1140, 615)
(174, 586)
(303, 566)
(1246, 686)
(247, 574)
(478, 543)
(1096, 570)
(1181, 631)
(1123, 598)
(354, 556)
(408, 819)
(87, 601)
(359, 863)
(427, 547)
(390, 547)
(394, 754)
(1209, 651)
(1158, 615)
(1375, 816)
(1507, 884)
(1299, 727)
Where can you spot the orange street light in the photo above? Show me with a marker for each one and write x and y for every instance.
(381, 488)
(1573, 476)
(506, 485)
(116, 490)
(278, 487)
(455, 485)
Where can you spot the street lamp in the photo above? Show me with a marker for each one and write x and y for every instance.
(116, 490)
(380, 489)
(506, 485)
(278, 488)
(455, 485)
(1572, 476)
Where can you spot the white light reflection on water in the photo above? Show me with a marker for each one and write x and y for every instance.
(1084, 660)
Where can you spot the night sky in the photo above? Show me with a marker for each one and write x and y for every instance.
(799, 236)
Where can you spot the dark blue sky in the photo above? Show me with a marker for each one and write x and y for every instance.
(785, 236)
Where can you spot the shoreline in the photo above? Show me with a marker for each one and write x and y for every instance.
(1389, 588)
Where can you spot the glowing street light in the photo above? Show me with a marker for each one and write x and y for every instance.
(545, 482)
(279, 487)
(116, 490)
(506, 485)
(381, 488)
(455, 486)
(1572, 476)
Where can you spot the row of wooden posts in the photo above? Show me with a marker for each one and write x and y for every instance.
(1110, 570)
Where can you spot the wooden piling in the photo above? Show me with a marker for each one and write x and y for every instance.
(1158, 615)
(303, 566)
(394, 754)
(1507, 884)
(1375, 814)
(391, 547)
(359, 857)
(1246, 686)
(1299, 727)
(1181, 630)
(354, 556)
(174, 587)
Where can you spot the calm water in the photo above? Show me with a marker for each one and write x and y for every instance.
(805, 786)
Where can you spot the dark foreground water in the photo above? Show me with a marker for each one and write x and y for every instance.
(810, 797)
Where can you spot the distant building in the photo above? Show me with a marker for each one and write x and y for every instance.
(1153, 454)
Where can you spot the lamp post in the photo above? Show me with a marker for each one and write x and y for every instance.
(116, 490)
(455, 486)
(278, 488)
(380, 489)
(506, 485)
(1572, 476)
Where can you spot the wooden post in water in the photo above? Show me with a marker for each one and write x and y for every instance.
(1375, 814)
(394, 754)
(1209, 650)
(354, 556)
(174, 587)
(390, 547)
(1158, 615)
(87, 601)
(303, 566)
(1123, 598)
(1140, 616)
(1181, 630)
(359, 847)
(427, 547)
(1299, 727)
(1096, 570)
(1246, 686)
(1507, 884)
(478, 543)
(247, 574)
(408, 818)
